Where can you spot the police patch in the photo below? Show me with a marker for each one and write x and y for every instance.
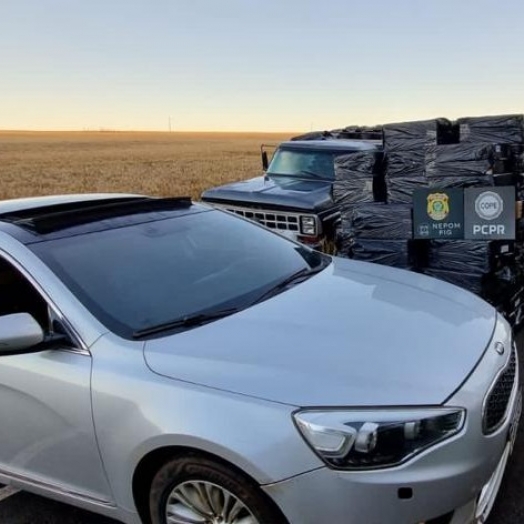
(438, 206)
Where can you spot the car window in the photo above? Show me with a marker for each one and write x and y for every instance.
(18, 295)
(150, 273)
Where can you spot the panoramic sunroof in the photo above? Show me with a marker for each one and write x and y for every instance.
(47, 219)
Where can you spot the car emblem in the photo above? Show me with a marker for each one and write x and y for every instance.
(499, 348)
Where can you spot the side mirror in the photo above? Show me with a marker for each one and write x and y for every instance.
(19, 332)
(265, 161)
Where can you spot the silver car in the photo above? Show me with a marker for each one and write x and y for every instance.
(162, 362)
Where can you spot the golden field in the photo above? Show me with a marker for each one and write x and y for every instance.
(163, 164)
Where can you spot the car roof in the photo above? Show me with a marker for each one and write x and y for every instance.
(23, 204)
(339, 144)
(43, 218)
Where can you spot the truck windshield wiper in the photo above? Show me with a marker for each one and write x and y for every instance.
(294, 278)
(312, 174)
(198, 319)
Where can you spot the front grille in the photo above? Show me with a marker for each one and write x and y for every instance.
(272, 219)
(498, 398)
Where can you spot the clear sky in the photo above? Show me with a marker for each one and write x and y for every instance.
(262, 65)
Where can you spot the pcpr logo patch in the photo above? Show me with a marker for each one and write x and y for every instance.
(489, 205)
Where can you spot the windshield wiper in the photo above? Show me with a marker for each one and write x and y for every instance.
(313, 174)
(294, 278)
(198, 319)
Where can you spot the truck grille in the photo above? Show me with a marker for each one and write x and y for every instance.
(498, 398)
(271, 219)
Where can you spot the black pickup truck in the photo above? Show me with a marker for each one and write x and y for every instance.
(294, 195)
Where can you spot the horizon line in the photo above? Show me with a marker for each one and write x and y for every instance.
(116, 130)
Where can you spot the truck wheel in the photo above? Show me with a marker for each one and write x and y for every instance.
(197, 490)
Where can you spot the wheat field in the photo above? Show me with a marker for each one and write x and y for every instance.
(162, 164)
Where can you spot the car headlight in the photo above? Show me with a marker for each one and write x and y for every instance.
(361, 440)
(308, 225)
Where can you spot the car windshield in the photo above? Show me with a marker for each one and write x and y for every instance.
(137, 277)
(303, 164)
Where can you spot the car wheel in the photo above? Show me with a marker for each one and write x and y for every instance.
(195, 490)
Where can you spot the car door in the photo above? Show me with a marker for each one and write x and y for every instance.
(47, 435)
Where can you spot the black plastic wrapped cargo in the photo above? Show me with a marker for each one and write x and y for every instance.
(400, 189)
(404, 163)
(358, 177)
(501, 129)
(475, 257)
(458, 160)
(409, 136)
(380, 221)
(347, 193)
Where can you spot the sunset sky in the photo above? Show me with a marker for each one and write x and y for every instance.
(272, 65)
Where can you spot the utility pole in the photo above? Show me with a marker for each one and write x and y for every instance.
(169, 125)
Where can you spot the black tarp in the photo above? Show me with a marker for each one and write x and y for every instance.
(400, 189)
(348, 132)
(347, 193)
(359, 163)
(404, 163)
(451, 182)
(355, 176)
(411, 136)
(344, 241)
(474, 257)
(380, 221)
(457, 160)
(501, 129)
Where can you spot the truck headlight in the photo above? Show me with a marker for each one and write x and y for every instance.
(308, 225)
(359, 440)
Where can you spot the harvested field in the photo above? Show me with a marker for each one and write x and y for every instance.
(163, 164)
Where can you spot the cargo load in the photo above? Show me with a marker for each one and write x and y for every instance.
(503, 129)
(441, 155)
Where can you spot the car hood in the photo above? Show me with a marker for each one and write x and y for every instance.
(276, 192)
(356, 334)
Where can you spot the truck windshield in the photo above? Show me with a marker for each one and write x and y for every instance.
(303, 164)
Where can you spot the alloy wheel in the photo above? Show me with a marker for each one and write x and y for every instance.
(200, 502)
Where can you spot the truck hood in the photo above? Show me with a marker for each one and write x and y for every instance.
(278, 192)
(356, 334)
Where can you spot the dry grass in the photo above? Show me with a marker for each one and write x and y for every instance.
(163, 164)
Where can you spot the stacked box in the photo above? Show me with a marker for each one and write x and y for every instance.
(405, 147)
(400, 189)
(479, 266)
(428, 154)
(379, 233)
(354, 178)
(502, 129)
(349, 132)
(459, 160)
(415, 136)
(436, 154)
(344, 235)
(467, 256)
(381, 222)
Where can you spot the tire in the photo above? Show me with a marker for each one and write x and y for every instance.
(205, 490)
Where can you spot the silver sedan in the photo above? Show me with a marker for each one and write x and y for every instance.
(166, 363)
